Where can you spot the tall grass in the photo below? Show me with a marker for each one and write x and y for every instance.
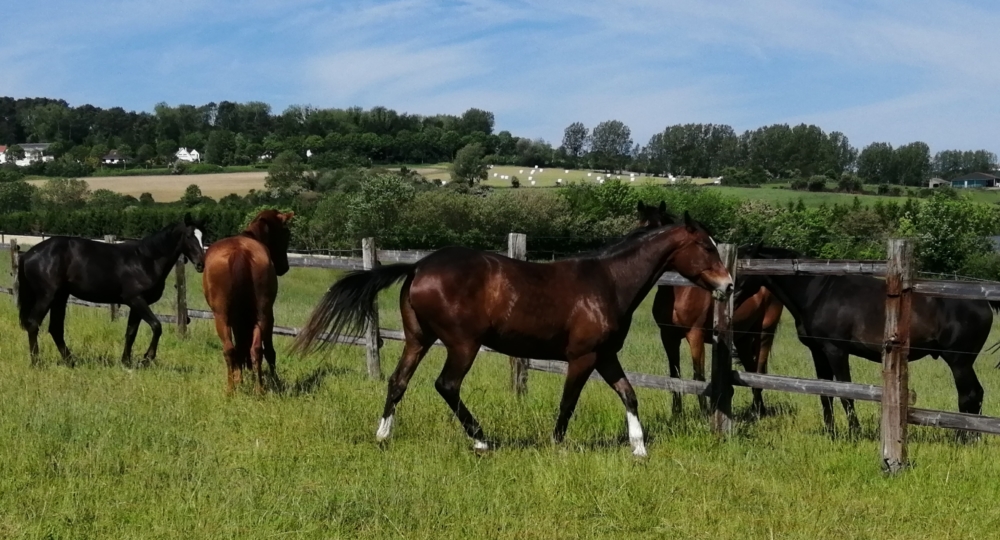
(161, 452)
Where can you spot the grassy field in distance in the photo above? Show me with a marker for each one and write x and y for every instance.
(161, 452)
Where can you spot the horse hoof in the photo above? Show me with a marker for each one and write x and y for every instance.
(639, 452)
(480, 446)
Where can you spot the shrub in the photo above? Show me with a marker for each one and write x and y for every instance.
(799, 184)
(817, 183)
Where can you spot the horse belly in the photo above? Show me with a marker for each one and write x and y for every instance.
(525, 346)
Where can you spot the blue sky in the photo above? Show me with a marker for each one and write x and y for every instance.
(894, 70)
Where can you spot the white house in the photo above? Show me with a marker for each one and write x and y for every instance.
(190, 156)
(32, 152)
(113, 158)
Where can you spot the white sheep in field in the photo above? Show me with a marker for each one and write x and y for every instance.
(532, 182)
(521, 171)
(494, 175)
(559, 181)
(588, 174)
(565, 171)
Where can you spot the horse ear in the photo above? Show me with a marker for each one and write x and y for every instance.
(187, 219)
(641, 207)
(689, 223)
(285, 218)
(663, 207)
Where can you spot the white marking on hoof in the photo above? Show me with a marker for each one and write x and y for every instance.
(480, 445)
(635, 437)
(384, 429)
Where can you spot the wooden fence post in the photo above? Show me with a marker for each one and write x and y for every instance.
(370, 260)
(14, 255)
(182, 304)
(517, 248)
(110, 239)
(721, 387)
(895, 376)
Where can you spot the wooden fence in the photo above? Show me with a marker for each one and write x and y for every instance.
(895, 396)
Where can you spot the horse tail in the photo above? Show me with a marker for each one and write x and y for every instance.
(242, 303)
(994, 305)
(349, 302)
(26, 296)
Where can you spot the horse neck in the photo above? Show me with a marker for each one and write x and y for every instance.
(254, 231)
(635, 269)
(163, 249)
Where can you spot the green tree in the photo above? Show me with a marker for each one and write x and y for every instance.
(14, 152)
(146, 153)
(877, 164)
(575, 138)
(468, 166)
(166, 149)
(220, 147)
(284, 175)
(16, 196)
(62, 194)
(146, 199)
(192, 196)
(611, 145)
(913, 163)
(374, 211)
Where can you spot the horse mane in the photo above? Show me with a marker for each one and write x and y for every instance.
(626, 242)
(255, 227)
(157, 243)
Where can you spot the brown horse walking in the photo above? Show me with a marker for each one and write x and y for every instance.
(686, 313)
(240, 283)
(578, 310)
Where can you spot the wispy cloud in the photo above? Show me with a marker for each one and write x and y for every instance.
(894, 70)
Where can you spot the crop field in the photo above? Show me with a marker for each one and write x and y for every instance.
(170, 187)
(160, 452)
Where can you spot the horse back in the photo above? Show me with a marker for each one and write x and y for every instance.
(87, 269)
(239, 278)
(510, 304)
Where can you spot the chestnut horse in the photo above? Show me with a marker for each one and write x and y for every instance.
(686, 313)
(240, 282)
(577, 310)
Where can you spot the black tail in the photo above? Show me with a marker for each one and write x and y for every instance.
(25, 294)
(349, 302)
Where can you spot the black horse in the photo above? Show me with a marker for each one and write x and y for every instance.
(132, 273)
(837, 316)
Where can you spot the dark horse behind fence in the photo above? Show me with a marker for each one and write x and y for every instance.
(838, 316)
(577, 310)
(131, 273)
(684, 312)
(240, 283)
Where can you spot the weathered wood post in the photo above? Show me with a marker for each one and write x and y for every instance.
(110, 239)
(895, 355)
(14, 255)
(182, 305)
(721, 387)
(517, 248)
(370, 260)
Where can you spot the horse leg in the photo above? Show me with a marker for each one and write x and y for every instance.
(131, 330)
(256, 358)
(746, 345)
(57, 326)
(824, 372)
(672, 346)
(267, 329)
(449, 385)
(414, 349)
(147, 315)
(840, 363)
(228, 350)
(763, 353)
(970, 392)
(577, 373)
(696, 341)
(34, 321)
(611, 369)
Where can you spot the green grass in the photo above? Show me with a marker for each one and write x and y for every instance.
(161, 452)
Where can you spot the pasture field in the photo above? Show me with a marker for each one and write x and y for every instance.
(170, 187)
(161, 452)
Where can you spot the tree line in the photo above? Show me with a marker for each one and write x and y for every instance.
(229, 133)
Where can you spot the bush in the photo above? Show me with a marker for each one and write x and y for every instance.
(817, 183)
(799, 184)
(10, 174)
(849, 183)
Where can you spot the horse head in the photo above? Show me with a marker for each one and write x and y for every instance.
(192, 243)
(271, 228)
(698, 260)
(651, 217)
